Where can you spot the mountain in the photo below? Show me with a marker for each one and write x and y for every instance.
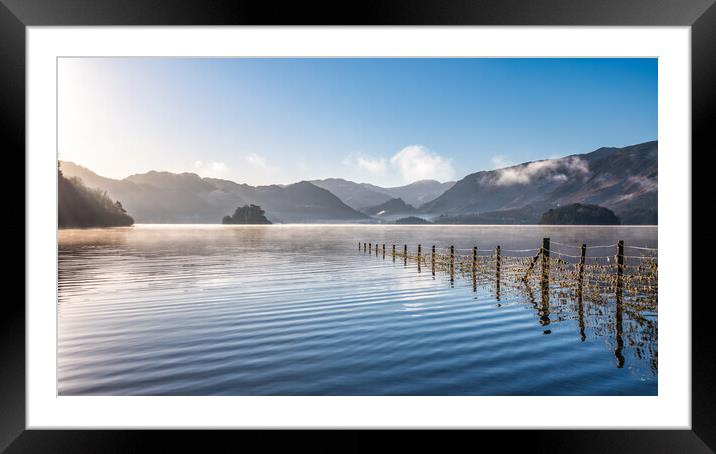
(166, 197)
(80, 206)
(364, 195)
(390, 208)
(578, 214)
(416, 193)
(526, 215)
(356, 195)
(621, 179)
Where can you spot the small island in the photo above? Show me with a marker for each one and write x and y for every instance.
(412, 220)
(247, 214)
(79, 206)
(578, 214)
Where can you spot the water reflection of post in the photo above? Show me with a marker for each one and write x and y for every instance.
(405, 255)
(580, 281)
(419, 250)
(497, 273)
(544, 310)
(383, 251)
(452, 264)
(474, 268)
(618, 318)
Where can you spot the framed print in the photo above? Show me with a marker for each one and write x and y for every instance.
(447, 216)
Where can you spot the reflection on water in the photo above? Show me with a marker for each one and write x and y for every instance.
(285, 310)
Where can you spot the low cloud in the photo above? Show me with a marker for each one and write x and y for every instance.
(366, 163)
(211, 168)
(643, 183)
(410, 164)
(559, 170)
(257, 161)
(499, 161)
(373, 165)
(416, 162)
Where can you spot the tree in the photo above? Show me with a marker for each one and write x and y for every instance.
(247, 214)
(80, 206)
(579, 214)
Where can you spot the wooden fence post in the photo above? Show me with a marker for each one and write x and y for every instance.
(474, 260)
(419, 259)
(370, 248)
(452, 263)
(545, 264)
(432, 260)
(580, 273)
(497, 270)
(394, 253)
(384, 250)
(620, 266)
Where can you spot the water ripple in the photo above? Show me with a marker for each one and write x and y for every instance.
(297, 310)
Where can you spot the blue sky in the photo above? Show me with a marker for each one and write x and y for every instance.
(382, 121)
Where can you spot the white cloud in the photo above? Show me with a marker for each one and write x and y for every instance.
(416, 162)
(371, 164)
(257, 161)
(211, 168)
(410, 164)
(500, 161)
(555, 169)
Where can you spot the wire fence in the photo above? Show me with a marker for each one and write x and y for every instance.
(592, 272)
(609, 293)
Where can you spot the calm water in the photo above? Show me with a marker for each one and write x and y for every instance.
(285, 310)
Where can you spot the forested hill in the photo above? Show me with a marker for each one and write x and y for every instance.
(80, 206)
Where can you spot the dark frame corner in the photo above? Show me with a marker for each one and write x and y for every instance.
(16, 15)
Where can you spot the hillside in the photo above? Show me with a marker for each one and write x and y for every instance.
(363, 195)
(355, 195)
(416, 193)
(578, 214)
(390, 208)
(80, 206)
(622, 179)
(166, 197)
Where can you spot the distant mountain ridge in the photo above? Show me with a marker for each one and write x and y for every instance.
(364, 195)
(624, 180)
(621, 179)
(166, 197)
(390, 208)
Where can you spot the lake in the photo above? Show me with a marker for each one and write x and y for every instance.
(300, 310)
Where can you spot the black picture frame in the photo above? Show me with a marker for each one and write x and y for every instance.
(700, 15)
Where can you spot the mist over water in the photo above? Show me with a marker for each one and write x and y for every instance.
(299, 310)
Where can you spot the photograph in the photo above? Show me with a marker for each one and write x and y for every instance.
(357, 226)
